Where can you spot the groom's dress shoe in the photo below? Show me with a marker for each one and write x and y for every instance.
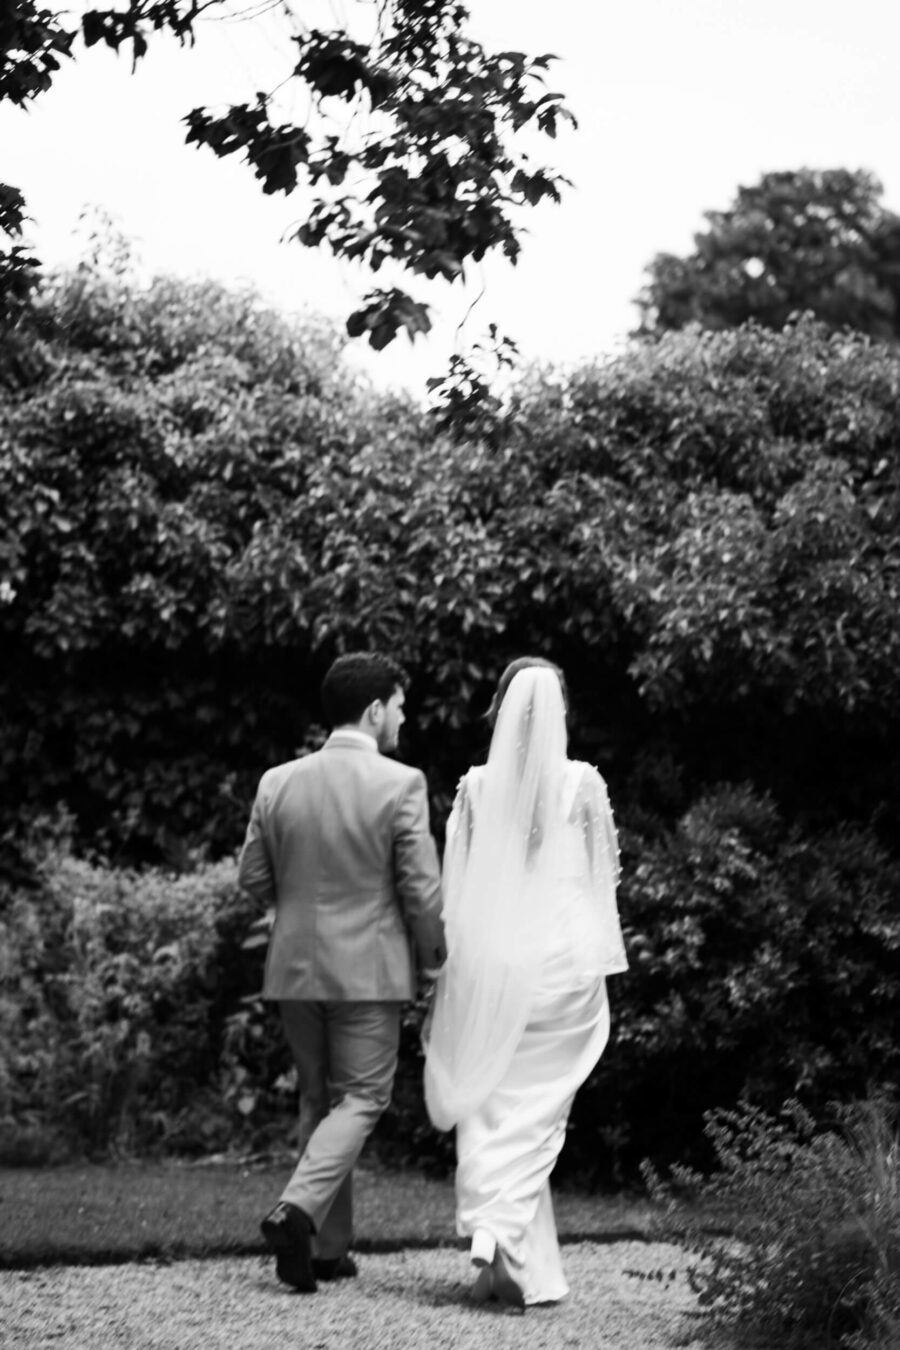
(334, 1268)
(288, 1232)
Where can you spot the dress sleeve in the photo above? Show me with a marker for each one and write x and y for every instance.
(599, 827)
(602, 846)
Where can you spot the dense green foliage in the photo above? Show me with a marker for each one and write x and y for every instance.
(152, 445)
(816, 1217)
(797, 241)
(114, 987)
(763, 962)
(200, 509)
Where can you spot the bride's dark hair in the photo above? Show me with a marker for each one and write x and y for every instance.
(522, 663)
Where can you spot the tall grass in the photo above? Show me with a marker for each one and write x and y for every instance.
(797, 1234)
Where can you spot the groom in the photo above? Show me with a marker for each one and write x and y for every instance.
(340, 841)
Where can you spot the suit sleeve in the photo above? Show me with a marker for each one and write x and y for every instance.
(417, 875)
(255, 872)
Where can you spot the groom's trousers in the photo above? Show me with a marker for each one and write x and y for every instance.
(346, 1058)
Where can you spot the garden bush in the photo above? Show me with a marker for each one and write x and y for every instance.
(764, 963)
(201, 508)
(114, 989)
(153, 459)
(812, 1217)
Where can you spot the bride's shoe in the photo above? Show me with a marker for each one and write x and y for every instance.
(481, 1255)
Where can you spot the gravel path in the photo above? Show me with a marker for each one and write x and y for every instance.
(408, 1300)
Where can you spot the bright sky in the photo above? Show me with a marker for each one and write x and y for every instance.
(678, 102)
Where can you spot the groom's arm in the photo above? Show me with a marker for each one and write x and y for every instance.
(255, 872)
(417, 876)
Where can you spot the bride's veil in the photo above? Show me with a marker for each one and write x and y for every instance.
(502, 840)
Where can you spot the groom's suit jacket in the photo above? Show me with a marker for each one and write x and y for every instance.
(340, 842)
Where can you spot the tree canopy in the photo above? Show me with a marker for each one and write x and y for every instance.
(431, 181)
(200, 509)
(804, 240)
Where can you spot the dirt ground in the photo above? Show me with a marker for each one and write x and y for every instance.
(624, 1296)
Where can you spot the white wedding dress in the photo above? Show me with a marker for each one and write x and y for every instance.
(520, 1015)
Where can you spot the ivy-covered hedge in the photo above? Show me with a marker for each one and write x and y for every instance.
(200, 509)
(149, 447)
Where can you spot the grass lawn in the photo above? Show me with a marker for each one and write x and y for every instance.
(92, 1213)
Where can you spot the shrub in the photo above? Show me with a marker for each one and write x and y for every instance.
(765, 961)
(113, 989)
(200, 508)
(813, 1216)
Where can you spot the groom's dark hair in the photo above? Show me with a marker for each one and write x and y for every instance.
(356, 680)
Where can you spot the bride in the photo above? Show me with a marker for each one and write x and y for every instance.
(520, 1013)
